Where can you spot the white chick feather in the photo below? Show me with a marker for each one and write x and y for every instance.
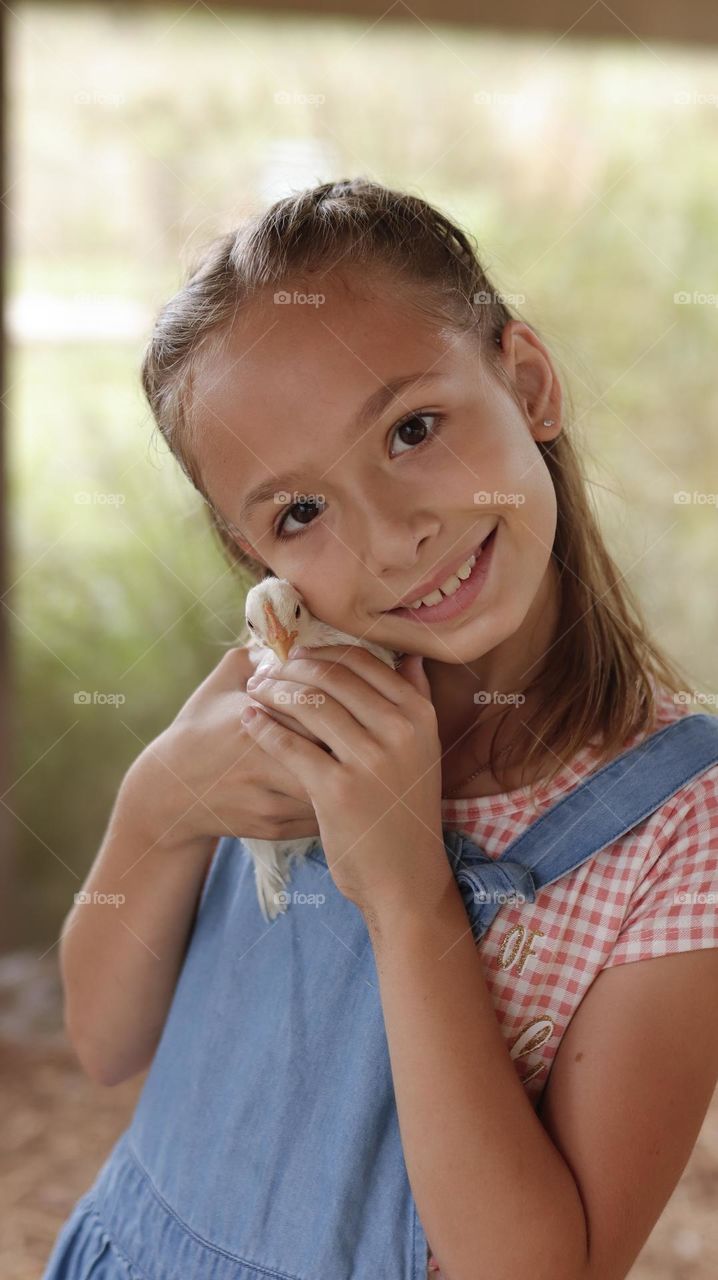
(278, 620)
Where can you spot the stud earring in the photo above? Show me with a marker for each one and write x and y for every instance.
(549, 422)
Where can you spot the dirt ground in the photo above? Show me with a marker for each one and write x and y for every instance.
(58, 1127)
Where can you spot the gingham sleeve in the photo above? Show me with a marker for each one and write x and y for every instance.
(675, 907)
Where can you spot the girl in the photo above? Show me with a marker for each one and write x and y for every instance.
(409, 1053)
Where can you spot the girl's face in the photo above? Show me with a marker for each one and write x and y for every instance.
(366, 496)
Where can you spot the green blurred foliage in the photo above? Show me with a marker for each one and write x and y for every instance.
(139, 134)
(121, 594)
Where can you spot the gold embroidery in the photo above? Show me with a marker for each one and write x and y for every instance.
(514, 951)
(533, 1037)
(535, 1072)
(517, 939)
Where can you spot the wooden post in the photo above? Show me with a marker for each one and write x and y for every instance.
(8, 883)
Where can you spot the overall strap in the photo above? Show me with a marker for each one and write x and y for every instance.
(601, 809)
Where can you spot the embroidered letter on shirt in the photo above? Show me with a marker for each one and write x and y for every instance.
(533, 1037)
(515, 947)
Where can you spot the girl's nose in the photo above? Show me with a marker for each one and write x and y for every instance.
(395, 531)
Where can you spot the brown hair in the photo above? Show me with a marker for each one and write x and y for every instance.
(597, 683)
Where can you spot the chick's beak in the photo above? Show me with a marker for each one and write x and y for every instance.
(278, 638)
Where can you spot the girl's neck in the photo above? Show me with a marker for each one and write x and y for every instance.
(466, 751)
(467, 727)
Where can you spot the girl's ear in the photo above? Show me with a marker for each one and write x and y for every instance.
(529, 364)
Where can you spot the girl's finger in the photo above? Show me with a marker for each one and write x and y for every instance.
(279, 785)
(348, 683)
(389, 683)
(284, 716)
(411, 668)
(324, 716)
(307, 762)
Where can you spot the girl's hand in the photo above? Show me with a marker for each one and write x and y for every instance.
(377, 797)
(206, 775)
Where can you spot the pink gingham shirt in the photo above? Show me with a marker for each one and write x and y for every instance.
(652, 893)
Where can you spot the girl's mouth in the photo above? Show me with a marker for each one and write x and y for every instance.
(451, 606)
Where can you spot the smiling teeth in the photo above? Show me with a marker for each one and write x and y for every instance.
(452, 584)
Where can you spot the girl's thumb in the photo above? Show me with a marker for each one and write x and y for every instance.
(411, 668)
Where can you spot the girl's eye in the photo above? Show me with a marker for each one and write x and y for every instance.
(413, 436)
(305, 512)
(410, 430)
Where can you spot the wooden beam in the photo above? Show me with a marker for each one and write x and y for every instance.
(644, 21)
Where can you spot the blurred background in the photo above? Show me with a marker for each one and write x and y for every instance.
(582, 156)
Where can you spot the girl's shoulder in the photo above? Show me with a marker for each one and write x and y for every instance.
(511, 810)
(673, 905)
(667, 866)
(665, 870)
(700, 794)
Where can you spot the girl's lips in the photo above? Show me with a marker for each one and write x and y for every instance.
(450, 606)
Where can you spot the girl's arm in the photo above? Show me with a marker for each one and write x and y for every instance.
(571, 1195)
(628, 1092)
(122, 948)
(123, 943)
(495, 1196)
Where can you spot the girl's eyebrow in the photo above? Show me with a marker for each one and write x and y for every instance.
(372, 408)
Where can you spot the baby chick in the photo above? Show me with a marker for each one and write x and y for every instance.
(278, 620)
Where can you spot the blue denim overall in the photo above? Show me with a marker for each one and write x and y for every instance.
(265, 1144)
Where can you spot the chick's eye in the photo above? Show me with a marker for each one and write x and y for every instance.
(412, 432)
(297, 611)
